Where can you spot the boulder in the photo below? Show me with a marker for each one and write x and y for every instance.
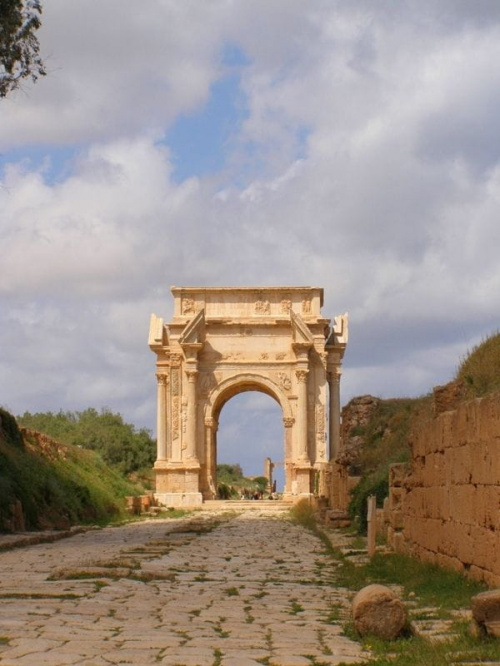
(486, 612)
(378, 611)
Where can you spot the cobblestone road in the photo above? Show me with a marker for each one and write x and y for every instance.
(210, 591)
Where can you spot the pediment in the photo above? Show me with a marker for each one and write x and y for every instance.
(300, 331)
(194, 332)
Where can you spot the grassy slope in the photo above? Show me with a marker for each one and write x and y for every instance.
(58, 485)
(479, 371)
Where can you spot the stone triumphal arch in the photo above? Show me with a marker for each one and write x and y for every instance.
(223, 341)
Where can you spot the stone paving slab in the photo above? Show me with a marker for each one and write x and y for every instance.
(237, 589)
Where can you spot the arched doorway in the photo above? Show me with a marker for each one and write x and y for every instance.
(222, 394)
(226, 341)
(250, 432)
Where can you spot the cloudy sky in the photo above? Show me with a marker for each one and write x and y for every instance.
(349, 145)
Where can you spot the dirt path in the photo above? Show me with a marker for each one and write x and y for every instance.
(210, 591)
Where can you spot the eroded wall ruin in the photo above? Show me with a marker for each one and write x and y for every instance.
(446, 508)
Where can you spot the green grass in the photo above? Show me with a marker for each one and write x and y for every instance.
(430, 584)
(479, 371)
(416, 651)
(58, 485)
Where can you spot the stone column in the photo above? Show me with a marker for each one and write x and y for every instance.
(288, 422)
(191, 415)
(302, 455)
(161, 418)
(210, 430)
(334, 416)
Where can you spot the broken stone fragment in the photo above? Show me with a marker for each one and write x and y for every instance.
(486, 612)
(378, 611)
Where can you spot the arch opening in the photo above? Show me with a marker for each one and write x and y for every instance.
(251, 430)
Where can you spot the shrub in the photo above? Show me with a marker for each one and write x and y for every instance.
(376, 484)
(304, 514)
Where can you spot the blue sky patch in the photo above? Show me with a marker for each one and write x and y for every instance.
(199, 142)
(55, 162)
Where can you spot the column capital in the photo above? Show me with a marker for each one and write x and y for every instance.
(334, 375)
(301, 375)
(288, 421)
(192, 375)
(162, 378)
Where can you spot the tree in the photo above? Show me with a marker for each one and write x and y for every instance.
(19, 46)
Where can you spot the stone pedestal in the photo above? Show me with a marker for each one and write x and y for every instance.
(302, 483)
(177, 484)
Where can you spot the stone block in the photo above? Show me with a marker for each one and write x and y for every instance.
(486, 611)
(450, 562)
(397, 473)
(386, 510)
(447, 397)
(397, 520)
(399, 543)
(395, 497)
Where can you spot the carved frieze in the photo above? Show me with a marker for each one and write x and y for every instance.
(306, 306)
(286, 306)
(175, 360)
(284, 381)
(320, 418)
(175, 381)
(188, 306)
(262, 307)
(175, 418)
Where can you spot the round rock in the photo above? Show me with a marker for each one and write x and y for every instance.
(378, 611)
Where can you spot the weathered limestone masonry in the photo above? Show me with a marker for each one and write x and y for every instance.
(447, 507)
(223, 341)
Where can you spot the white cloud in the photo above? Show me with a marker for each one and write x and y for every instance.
(391, 202)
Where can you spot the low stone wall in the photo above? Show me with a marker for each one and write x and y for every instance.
(445, 506)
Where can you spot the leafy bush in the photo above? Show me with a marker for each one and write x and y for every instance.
(119, 443)
(229, 473)
(376, 484)
(225, 492)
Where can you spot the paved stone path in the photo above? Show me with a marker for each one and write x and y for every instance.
(206, 590)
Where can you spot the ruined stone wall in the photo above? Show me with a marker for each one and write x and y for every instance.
(447, 507)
